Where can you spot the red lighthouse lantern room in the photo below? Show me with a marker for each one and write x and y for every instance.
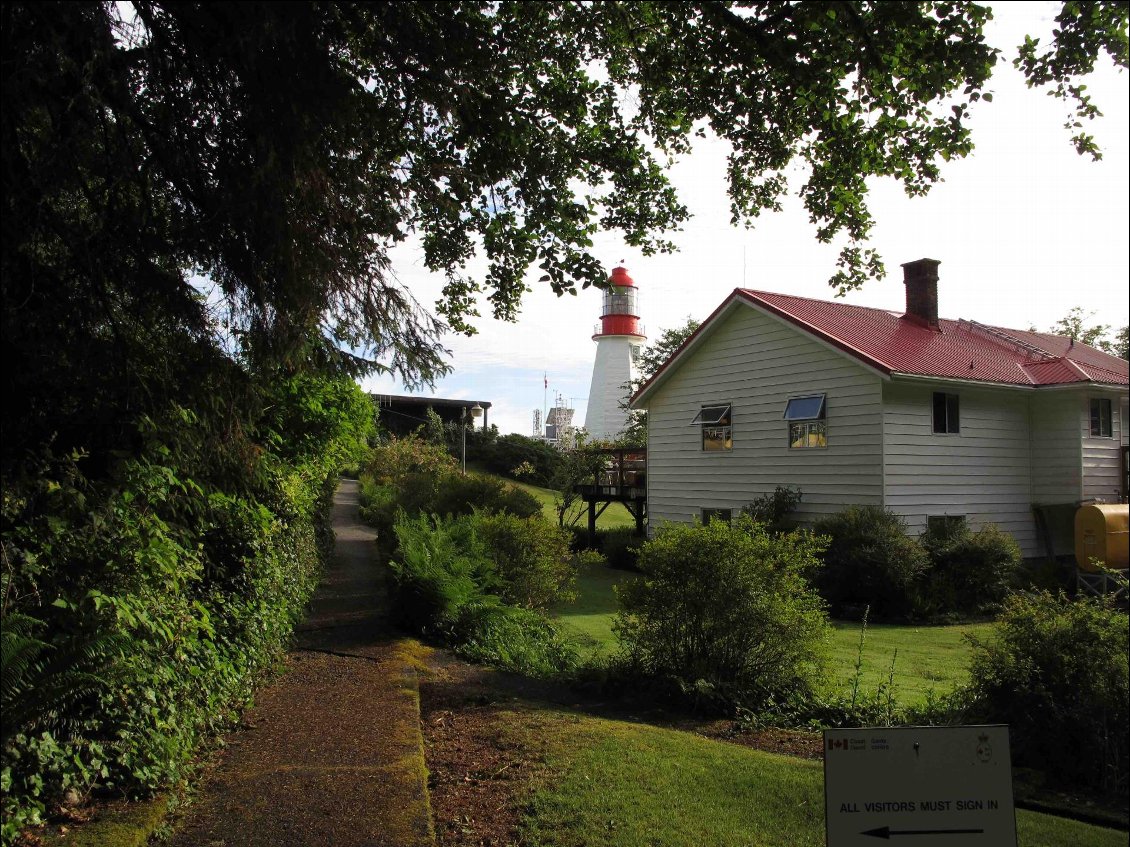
(620, 315)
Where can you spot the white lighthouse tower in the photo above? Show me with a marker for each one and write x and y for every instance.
(619, 339)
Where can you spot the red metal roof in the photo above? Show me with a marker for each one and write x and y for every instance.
(955, 350)
(962, 349)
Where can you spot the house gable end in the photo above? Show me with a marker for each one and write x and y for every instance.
(738, 299)
(756, 367)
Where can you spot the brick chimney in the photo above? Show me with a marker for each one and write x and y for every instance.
(921, 279)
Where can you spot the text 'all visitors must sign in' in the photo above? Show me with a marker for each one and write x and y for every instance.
(936, 786)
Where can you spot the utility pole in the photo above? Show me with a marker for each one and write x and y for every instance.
(463, 428)
(473, 412)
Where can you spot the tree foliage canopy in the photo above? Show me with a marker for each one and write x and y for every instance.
(279, 150)
(1077, 324)
(199, 200)
(654, 356)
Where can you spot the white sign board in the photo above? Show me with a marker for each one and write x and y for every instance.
(929, 786)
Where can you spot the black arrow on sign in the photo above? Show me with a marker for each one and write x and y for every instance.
(887, 832)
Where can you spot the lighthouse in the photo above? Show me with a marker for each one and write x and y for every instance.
(619, 338)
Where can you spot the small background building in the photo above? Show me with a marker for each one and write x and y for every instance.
(559, 429)
(403, 414)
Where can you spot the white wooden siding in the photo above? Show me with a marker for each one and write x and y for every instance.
(982, 472)
(1057, 458)
(1015, 448)
(756, 363)
(1102, 460)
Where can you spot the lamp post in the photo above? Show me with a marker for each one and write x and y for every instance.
(474, 412)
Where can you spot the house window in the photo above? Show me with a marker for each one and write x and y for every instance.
(717, 431)
(709, 515)
(946, 418)
(807, 424)
(944, 526)
(1101, 419)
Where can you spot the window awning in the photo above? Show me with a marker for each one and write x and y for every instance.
(805, 408)
(712, 415)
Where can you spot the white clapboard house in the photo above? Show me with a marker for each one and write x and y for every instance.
(936, 420)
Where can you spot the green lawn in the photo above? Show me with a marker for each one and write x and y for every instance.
(928, 657)
(620, 784)
(588, 620)
(925, 657)
(614, 517)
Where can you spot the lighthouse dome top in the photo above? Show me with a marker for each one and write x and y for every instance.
(620, 277)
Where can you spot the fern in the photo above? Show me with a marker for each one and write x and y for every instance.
(43, 686)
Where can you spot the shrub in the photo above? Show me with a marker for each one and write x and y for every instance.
(774, 509)
(522, 469)
(420, 478)
(726, 608)
(44, 685)
(517, 640)
(458, 494)
(446, 584)
(419, 491)
(589, 560)
(1055, 671)
(396, 458)
(620, 547)
(505, 454)
(173, 574)
(531, 558)
(515, 501)
(461, 494)
(971, 572)
(440, 567)
(870, 561)
(579, 538)
(379, 510)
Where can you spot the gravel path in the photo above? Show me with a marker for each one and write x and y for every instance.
(332, 752)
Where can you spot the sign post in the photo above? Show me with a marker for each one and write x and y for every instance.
(930, 786)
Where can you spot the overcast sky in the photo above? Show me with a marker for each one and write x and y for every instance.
(1025, 230)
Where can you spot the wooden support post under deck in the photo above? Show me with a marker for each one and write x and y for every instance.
(592, 523)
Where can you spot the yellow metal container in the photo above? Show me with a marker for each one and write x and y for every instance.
(1102, 533)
